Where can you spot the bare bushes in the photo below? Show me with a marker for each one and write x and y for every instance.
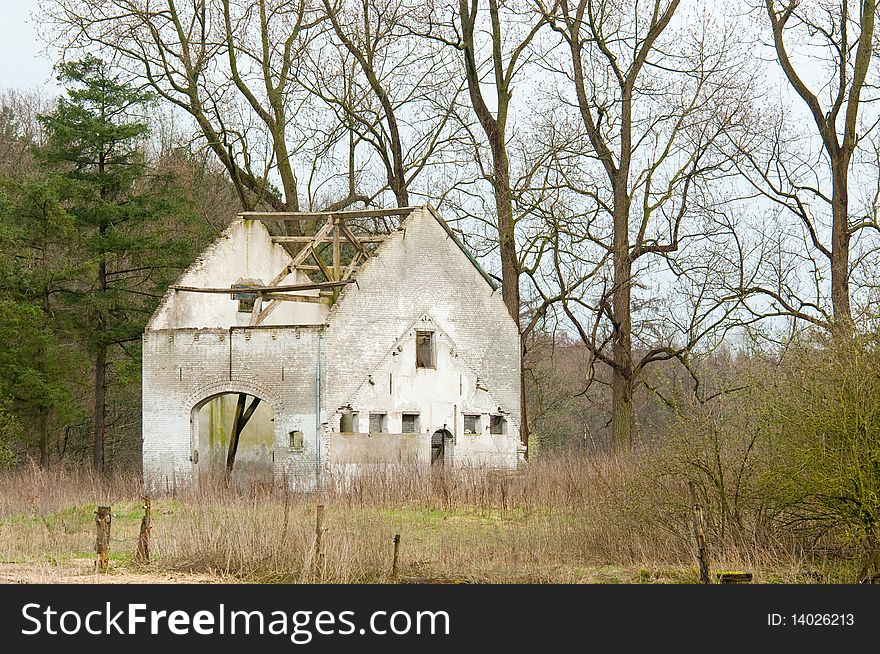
(721, 448)
(558, 519)
(823, 427)
(790, 463)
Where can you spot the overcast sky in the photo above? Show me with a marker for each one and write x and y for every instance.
(23, 64)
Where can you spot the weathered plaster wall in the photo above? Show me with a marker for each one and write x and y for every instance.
(441, 396)
(367, 449)
(184, 368)
(244, 251)
(195, 349)
(420, 279)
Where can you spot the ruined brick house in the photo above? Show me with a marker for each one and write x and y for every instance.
(374, 340)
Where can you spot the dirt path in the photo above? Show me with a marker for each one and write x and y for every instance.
(82, 572)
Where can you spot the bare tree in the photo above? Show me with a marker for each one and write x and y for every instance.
(19, 127)
(504, 62)
(586, 203)
(840, 34)
(364, 40)
(653, 117)
(387, 90)
(493, 44)
(232, 65)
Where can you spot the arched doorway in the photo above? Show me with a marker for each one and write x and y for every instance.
(233, 439)
(441, 446)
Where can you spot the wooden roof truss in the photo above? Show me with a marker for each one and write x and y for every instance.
(330, 258)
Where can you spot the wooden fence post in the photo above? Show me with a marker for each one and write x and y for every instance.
(396, 552)
(699, 534)
(102, 540)
(319, 542)
(142, 553)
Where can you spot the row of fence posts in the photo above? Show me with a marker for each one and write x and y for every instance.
(318, 560)
(103, 519)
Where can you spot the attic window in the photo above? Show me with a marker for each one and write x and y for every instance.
(246, 300)
(497, 425)
(425, 350)
(471, 424)
(410, 423)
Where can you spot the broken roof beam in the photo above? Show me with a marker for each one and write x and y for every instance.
(354, 240)
(323, 268)
(263, 289)
(337, 252)
(281, 297)
(317, 215)
(352, 266)
(257, 308)
(326, 239)
(302, 255)
(260, 317)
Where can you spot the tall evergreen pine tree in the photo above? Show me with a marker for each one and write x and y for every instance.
(94, 140)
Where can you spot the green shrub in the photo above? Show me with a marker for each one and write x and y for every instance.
(822, 417)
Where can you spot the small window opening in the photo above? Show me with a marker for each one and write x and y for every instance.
(497, 425)
(348, 422)
(296, 440)
(410, 423)
(377, 423)
(425, 350)
(471, 424)
(246, 300)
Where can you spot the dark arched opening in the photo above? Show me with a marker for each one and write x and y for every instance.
(441, 446)
(234, 436)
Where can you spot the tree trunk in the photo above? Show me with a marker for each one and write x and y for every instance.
(840, 242)
(100, 327)
(622, 373)
(100, 406)
(506, 233)
(285, 170)
(44, 439)
(523, 411)
(509, 261)
(494, 128)
(401, 194)
(44, 412)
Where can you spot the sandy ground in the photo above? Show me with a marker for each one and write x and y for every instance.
(82, 572)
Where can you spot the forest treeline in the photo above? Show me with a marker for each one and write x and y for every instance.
(97, 217)
(679, 199)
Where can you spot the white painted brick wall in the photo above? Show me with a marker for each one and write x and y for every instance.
(184, 367)
(418, 272)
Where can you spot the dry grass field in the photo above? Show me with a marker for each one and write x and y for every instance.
(561, 520)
